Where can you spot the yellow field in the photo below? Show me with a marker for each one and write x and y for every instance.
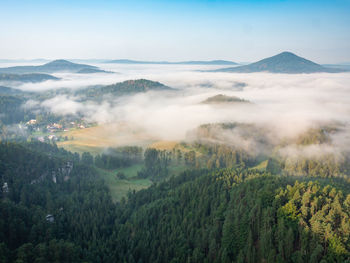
(164, 145)
(95, 139)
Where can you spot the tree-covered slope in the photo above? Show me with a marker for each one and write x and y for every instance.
(235, 216)
(122, 88)
(32, 77)
(11, 109)
(38, 180)
(9, 91)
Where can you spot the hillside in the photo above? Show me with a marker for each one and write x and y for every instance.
(9, 91)
(32, 77)
(51, 67)
(122, 88)
(285, 62)
(91, 70)
(229, 212)
(232, 215)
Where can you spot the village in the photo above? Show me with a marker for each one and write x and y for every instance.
(53, 132)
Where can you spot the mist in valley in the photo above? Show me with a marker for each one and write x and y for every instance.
(282, 106)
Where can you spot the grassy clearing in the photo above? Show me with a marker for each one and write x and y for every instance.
(120, 187)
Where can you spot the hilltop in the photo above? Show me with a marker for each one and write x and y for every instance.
(285, 62)
(221, 99)
(122, 88)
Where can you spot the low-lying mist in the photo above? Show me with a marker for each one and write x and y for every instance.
(284, 105)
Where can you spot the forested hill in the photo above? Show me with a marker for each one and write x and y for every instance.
(32, 77)
(235, 216)
(123, 88)
(11, 107)
(285, 62)
(217, 215)
(53, 208)
(223, 99)
(9, 91)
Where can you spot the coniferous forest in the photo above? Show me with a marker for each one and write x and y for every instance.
(230, 214)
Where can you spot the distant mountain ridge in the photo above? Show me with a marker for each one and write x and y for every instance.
(210, 62)
(52, 67)
(285, 62)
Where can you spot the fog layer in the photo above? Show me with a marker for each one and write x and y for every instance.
(286, 105)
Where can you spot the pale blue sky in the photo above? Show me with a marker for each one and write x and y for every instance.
(175, 30)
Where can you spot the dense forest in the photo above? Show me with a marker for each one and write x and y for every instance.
(33, 77)
(11, 109)
(56, 208)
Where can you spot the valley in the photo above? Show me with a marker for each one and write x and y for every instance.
(175, 131)
(173, 163)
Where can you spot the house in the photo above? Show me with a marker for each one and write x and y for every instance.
(31, 122)
(54, 127)
(57, 126)
(52, 137)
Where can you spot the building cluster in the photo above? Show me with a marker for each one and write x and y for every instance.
(54, 127)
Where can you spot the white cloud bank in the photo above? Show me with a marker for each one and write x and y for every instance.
(287, 104)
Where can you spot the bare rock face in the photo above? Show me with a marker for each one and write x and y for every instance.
(60, 174)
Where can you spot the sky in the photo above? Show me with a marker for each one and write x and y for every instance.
(240, 31)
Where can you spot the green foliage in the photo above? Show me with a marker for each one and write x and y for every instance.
(234, 215)
(79, 202)
(190, 158)
(156, 164)
(219, 215)
(114, 158)
(11, 110)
